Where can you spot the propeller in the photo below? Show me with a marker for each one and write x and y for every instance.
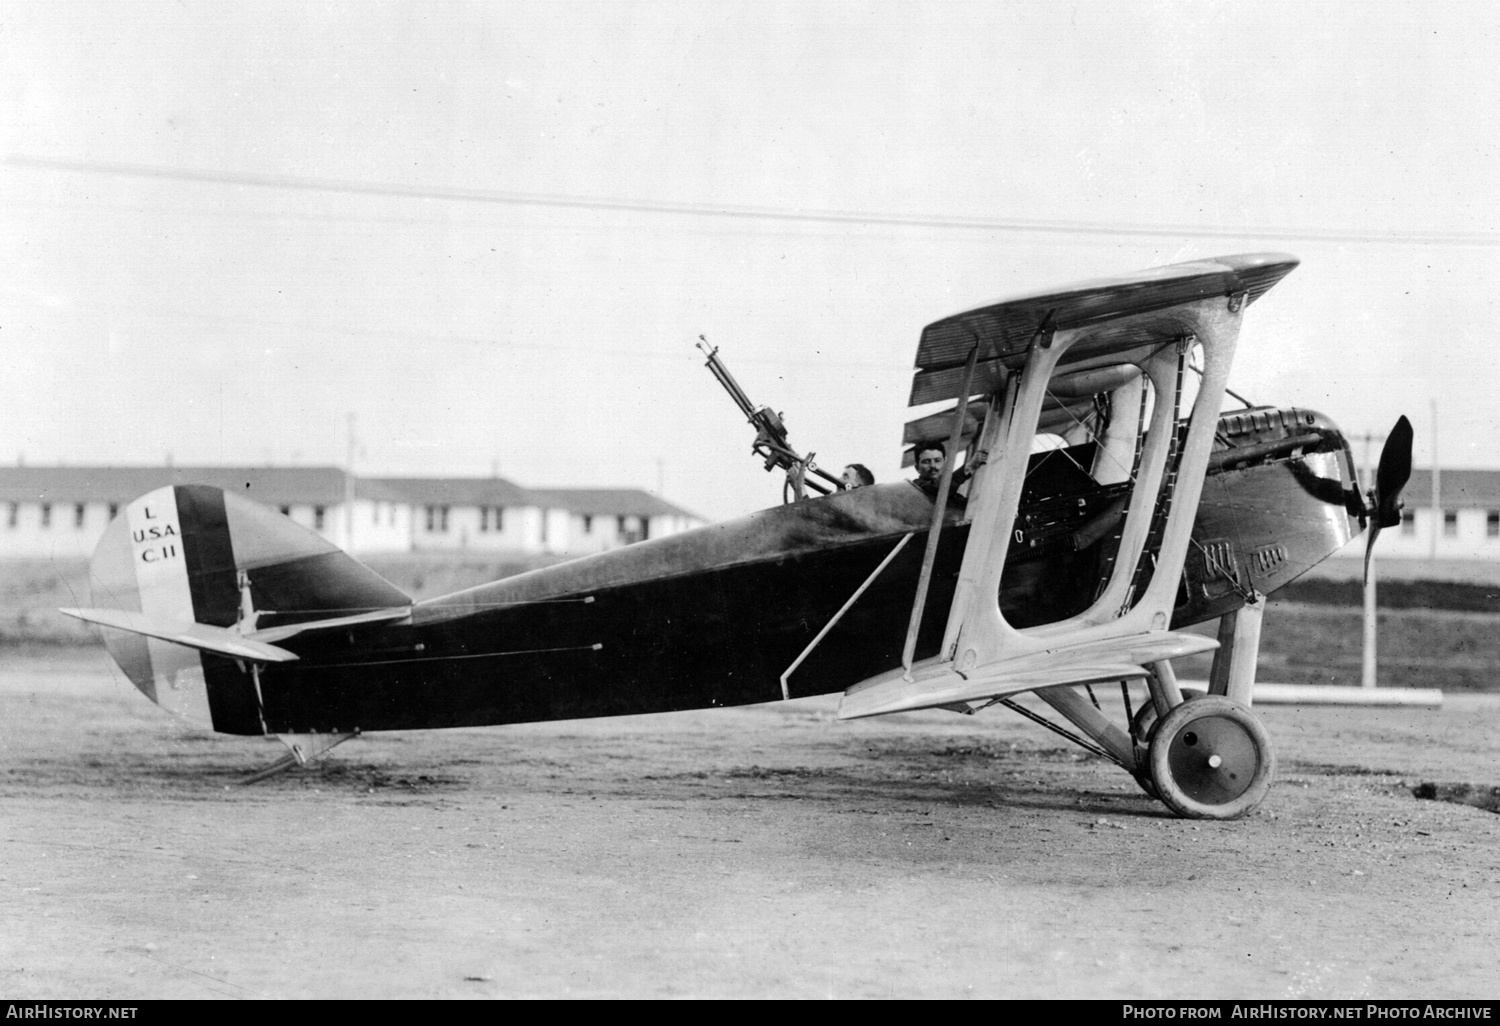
(1391, 475)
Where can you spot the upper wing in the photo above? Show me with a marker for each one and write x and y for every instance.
(1004, 331)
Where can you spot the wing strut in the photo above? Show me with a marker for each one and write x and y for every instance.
(1127, 626)
(955, 438)
(785, 691)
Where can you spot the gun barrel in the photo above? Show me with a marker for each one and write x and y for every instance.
(726, 379)
(771, 443)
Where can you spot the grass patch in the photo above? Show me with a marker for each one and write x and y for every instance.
(1457, 596)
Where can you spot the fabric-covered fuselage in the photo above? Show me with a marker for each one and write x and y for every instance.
(714, 617)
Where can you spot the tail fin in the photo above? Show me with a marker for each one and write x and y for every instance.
(188, 576)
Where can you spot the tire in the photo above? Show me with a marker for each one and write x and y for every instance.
(1211, 759)
(1144, 721)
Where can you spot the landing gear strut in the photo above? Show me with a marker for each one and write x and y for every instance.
(1204, 756)
(1208, 756)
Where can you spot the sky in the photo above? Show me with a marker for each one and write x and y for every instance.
(486, 236)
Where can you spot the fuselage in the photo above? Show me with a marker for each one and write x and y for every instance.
(716, 616)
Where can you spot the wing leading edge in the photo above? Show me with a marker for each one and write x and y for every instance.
(1004, 331)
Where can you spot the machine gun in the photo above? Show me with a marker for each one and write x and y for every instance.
(771, 442)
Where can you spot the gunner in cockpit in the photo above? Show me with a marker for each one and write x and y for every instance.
(857, 475)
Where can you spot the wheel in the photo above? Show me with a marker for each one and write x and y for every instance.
(1141, 726)
(1143, 778)
(1211, 759)
(1144, 721)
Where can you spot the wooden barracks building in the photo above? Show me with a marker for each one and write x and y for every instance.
(1460, 521)
(62, 511)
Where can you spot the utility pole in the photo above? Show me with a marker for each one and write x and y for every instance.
(1437, 494)
(349, 488)
(1367, 663)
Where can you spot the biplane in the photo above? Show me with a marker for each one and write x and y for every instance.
(1117, 505)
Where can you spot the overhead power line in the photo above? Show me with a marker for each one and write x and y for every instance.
(1175, 231)
(634, 353)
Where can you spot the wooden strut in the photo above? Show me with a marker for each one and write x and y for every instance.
(940, 507)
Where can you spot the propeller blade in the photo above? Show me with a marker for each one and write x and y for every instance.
(1392, 474)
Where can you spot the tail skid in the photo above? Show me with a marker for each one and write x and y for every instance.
(302, 750)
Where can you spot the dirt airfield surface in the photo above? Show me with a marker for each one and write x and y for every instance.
(771, 851)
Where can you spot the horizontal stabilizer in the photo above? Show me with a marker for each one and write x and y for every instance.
(204, 637)
(939, 684)
(309, 626)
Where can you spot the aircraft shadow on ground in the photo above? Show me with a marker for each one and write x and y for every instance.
(920, 773)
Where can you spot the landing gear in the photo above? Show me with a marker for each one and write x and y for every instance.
(1210, 759)
(1208, 756)
(1204, 756)
(1144, 722)
(1142, 726)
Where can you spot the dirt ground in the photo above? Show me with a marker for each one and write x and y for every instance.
(762, 852)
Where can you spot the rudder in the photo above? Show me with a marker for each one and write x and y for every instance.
(192, 554)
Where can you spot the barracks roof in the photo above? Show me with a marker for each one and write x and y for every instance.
(280, 486)
(457, 491)
(609, 501)
(273, 486)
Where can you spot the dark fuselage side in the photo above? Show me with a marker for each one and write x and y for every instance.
(715, 616)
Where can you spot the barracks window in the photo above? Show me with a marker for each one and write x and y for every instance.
(79, 509)
(317, 518)
(14, 515)
(1408, 522)
(1450, 523)
(1492, 524)
(46, 514)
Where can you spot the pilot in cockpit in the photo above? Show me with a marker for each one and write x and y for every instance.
(929, 461)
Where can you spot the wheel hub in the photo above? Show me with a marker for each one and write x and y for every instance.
(1212, 759)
